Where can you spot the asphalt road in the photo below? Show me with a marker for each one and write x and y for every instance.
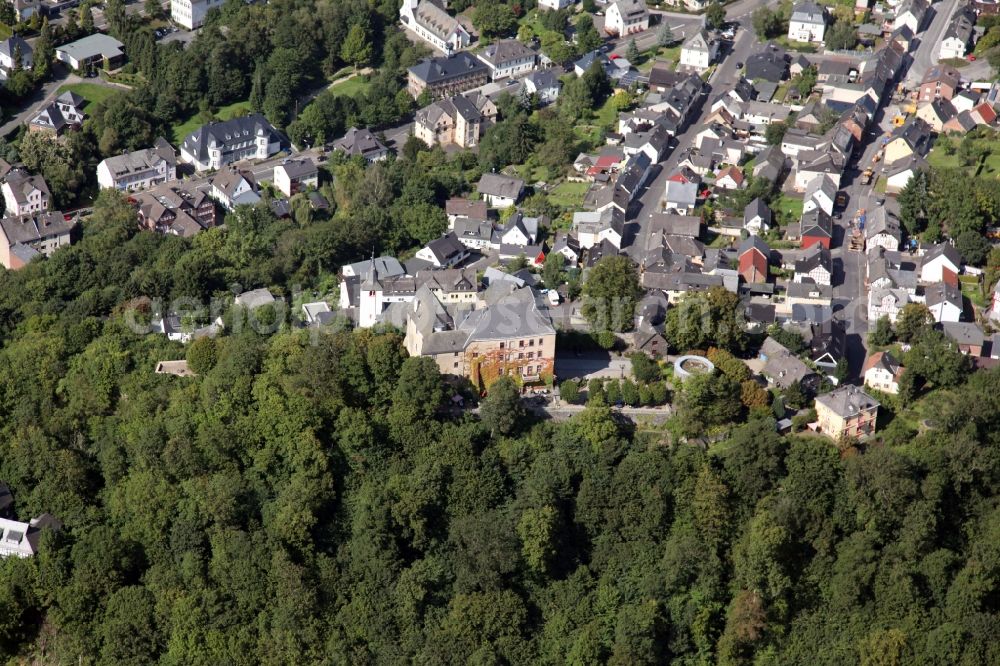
(925, 54)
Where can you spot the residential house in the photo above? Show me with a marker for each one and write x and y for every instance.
(821, 193)
(816, 228)
(758, 115)
(23, 237)
(654, 143)
(944, 301)
(936, 113)
(454, 120)
(757, 217)
(568, 246)
(940, 81)
(472, 209)
(662, 77)
(234, 187)
(511, 336)
(139, 170)
(771, 164)
(593, 228)
(983, 114)
(899, 175)
(626, 17)
(93, 50)
(967, 336)
(500, 191)
(810, 117)
(911, 138)
(518, 230)
(911, 13)
(730, 178)
(24, 193)
(807, 22)
(66, 112)
(958, 36)
(941, 263)
(474, 234)
(174, 208)
(846, 413)
(15, 49)
(688, 226)
(295, 175)
(317, 313)
(428, 20)
(827, 344)
(882, 372)
(960, 123)
(20, 539)
(447, 75)
(543, 84)
(815, 265)
(698, 52)
(883, 230)
(965, 100)
(190, 14)
(886, 302)
(754, 255)
(781, 367)
(218, 144)
(555, 5)
(508, 58)
(769, 63)
(680, 198)
(361, 143)
(798, 141)
(813, 163)
(25, 9)
(444, 252)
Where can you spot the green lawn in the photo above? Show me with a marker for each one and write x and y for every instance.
(92, 92)
(939, 160)
(606, 117)
(351, 87)
(791, 206)
(5, 31)
(568, 195)
(197, 120)
(671, 54)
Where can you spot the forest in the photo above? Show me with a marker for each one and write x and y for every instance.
(307, 499)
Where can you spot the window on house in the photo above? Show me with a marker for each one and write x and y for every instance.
(501, 345)
(522, 343)
(531, 343)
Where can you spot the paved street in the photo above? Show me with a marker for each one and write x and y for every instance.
(925, 54)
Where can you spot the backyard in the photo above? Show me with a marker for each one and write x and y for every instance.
(92, 92)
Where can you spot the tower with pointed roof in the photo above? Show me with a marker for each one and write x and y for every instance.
(370, 297)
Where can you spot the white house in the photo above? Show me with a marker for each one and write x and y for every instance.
(886, 303)
(555, 5)
(820, 193)
(293, 176)
(757, 217)
(815, 265)
(699, 51)
(92, 50)
(508, 58)
(233, 187)
(807, 23)
(882, 373)
(959, 34)
(19, 539)
(626, 17)
(500, 191)
(910, 13)
(190, 14)
(545, 84)
(592, 228)
(139, 170)
(24, 194)
(11, 49)
(680, 198)
(217, 144)
(940, 263)
(428, 21)
(444, 252)
(882, 230)
(944, 301)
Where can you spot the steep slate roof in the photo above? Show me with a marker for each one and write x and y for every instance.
(21, 185)
(505, 50)
(228, 133)
(816, 256)
(498, 185)
(436, 70)
(359, 142)
(141, 160)
(816, 223)
(883, 360)
(808, 11)
(757, 208)
(435, 19)
(28, 229)
(445, 247)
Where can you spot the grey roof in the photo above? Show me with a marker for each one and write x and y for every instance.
(757, 208)
(816, 256)
(681, 193)
(916, 133)
(438, 70)
(820, 184)
(435, 19)
(386, 266)
(945, 250)
(808, 11)
(962, 25)
(675, 225)
(92, 46)
(816, 223)
(255, 298)
(227, 180)
(882, 222)
(505, 50)
(963, 332)
(543, 79)
(498, 185)
(142, 160)
(22, 184)
(297, 169)
(848, 401)
(360, 142)
(769, 63)
(755, 243)
(9, 47)
(942, 292)
(228, 133)
(780, 365)
(29, 229)
(445, 247)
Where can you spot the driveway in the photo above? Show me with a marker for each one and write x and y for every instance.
(42, 98)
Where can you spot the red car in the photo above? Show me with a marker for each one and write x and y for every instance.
(972, 58)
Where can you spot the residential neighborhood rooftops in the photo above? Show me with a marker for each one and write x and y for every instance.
(92, 46)
(435, 70)
(847, 401)
(499, 185)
